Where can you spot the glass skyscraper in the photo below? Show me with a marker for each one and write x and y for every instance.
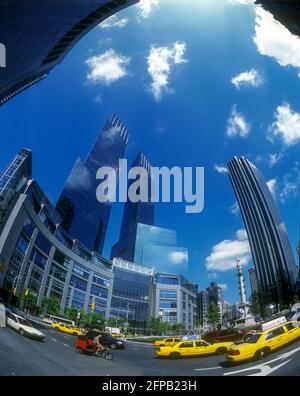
(38, 35)
(132, 293)
(13, 179)
(273, 258)
(133, 214)
(84, 218)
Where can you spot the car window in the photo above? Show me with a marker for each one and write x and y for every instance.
(200, 344)
(169, 340)
(186, 345)
(177, 340)
(275, 333)
(290, 326)
(12, 317)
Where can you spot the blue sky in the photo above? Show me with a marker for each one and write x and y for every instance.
(195, 83)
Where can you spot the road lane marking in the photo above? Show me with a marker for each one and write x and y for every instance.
(66, 345)
(208, 368)
(264, 368)
(54, 339)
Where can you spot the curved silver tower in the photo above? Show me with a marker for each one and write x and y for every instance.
(271, 251)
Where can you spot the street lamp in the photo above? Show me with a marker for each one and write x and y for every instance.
(127, 317)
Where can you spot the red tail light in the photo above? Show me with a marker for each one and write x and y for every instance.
(234, 352)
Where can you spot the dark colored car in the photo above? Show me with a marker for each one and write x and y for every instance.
(226, 335)
(112, 342)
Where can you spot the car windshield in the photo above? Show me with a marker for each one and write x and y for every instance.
(24, 322)
(252, 338)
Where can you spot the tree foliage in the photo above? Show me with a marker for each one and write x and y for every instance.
(213, 314)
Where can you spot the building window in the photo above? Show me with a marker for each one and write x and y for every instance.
(168, 294)
(78, 283)
(99, 291)
(81, 271)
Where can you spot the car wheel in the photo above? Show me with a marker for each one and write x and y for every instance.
(74, 333)
(175, 355)
(221, 351)
(261, 354)
(21, 332)
(78, 350)
(113, 346)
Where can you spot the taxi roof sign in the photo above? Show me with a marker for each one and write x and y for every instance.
(273, 323)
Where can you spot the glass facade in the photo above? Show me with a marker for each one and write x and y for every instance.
(55, 27)
(18, 168)
(84, 218)
(275, 265)
(131, 296)
(133, 215)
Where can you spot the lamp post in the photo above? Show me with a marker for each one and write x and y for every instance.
(127, 317)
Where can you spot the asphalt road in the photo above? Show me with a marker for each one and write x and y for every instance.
(22, 356)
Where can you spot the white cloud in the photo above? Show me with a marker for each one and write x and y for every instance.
(235, 209)
(274, 40)
(224, 255)
(272, 183)
(247, 78)
(160, 62)
(80, 177)
(290, 185)
(274, 159)
(146, 7)
(107, 67)
(236, 124)
(113, 22)
(178, 257)
(223, 286)
(286, 125)
(221, 168)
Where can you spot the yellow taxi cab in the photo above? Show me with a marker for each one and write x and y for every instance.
(193, 348)
(67, 329)
(259, 344)
(167, 342)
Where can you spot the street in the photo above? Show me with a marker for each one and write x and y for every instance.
(20, 356)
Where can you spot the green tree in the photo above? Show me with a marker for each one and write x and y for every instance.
(30, 300)
(296, 299)
(213, 314)
(71, 313)
(179, 327)
(115, 322)
(92, 320)
(155, 325)
(50, 305)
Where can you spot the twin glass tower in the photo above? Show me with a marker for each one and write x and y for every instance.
(275, 266)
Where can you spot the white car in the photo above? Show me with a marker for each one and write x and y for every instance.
(23, 326)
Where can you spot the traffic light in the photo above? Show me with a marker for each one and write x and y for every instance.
(92, 307)
(14, 291)
(26, 292)
(2, 266)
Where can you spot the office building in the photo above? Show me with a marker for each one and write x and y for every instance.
(13, 179)
(37, 254)
(134, 214)
(175, 300)
(253, 280)
(39, 34)
(132, 295)
(215, 295)
(84, 217)
(202, 310)
(156, 247)
(272, 254)
(287, 12)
